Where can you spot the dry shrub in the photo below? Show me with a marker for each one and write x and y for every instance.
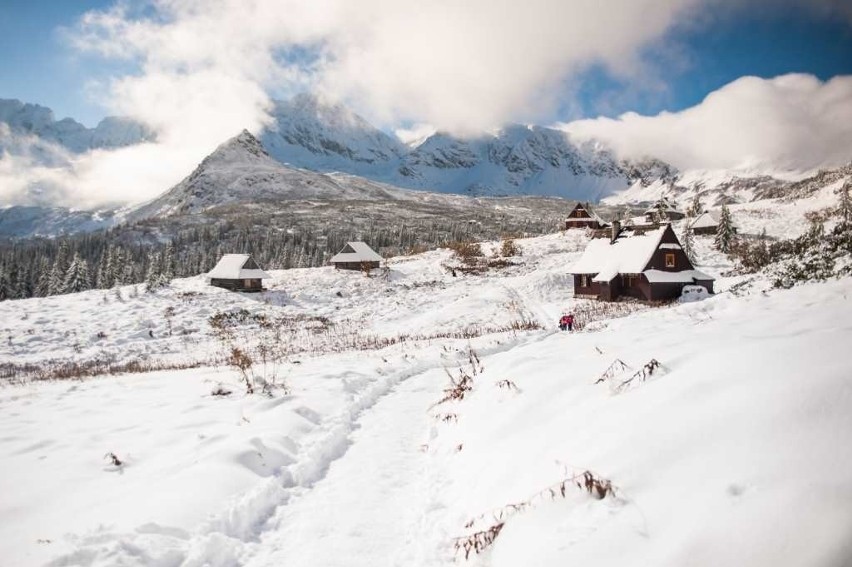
(589, 311)
(78, 370)
(447, 417)
(617, 367)
(616, 370)
(476, 542)
(509, 248)
(507, 385)
(467, 252)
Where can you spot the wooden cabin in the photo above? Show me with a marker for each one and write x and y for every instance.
(648, 264)
(583, 217)
(238, 272)
(663, 210)
(356, 256)
(705, 223)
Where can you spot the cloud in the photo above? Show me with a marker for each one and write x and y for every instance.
(462, 66)
(793, 121)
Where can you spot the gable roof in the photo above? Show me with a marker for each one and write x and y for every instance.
(629, 254)
(593, 216)
(356, 252)
(230, 267)
(705, 220)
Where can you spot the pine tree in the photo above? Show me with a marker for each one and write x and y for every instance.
(153, 277)
(56, 283)
(696, 209)
(5, 284)
(168, 264)
(77, 278)
(687, 242)
(42, 288)
(725, 232)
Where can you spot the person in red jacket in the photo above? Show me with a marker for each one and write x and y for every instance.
(569, 321)
(563, 322)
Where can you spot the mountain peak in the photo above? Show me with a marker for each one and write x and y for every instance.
(242, 147)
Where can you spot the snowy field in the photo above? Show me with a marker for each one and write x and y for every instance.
(732, 452)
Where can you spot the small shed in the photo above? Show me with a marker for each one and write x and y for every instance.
(582, 216)
(645, 263)
(356, 256)
(705, 223)
(238, 272)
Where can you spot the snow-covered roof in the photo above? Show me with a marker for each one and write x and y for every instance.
(684, 276)
(356, 252)
(705, 220)
(629, 254)
(230, 267)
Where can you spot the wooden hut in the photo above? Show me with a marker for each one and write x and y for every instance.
(238, 272)
(645, 264)
(705, 223)
(663, 210)
(583, 217)
(356, 256)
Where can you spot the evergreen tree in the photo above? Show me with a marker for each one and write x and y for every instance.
(168, 264)
(153, 277)
(77, 278)
(688, 242)
(56, 283)
(5, 284)
(696, 208)
(42, 287)
(725, 232)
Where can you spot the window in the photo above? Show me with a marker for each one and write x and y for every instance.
(670, 260)
(628, 280)
(584, 281)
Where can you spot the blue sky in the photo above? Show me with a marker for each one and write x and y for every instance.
(39, 66)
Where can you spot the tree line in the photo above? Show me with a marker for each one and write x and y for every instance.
(155, 253)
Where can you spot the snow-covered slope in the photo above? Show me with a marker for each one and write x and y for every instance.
(715, 187)
(35, 120)
(733, 445)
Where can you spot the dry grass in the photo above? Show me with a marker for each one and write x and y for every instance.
(476, 542)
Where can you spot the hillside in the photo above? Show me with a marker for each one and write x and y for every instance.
(350, 459)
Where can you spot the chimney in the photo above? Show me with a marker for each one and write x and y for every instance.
(616, 228)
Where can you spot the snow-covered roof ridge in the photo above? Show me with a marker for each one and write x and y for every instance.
(356, 252)
(230, 267)
(629, 254)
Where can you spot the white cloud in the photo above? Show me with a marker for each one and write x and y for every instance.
(793, 121)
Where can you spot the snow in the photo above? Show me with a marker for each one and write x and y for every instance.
(683, 276)
(732, 453)
(230, 267)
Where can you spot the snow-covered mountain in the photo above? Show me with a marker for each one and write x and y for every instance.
(517, 160)
(309, 133)
(40, 122)
(241, 171)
